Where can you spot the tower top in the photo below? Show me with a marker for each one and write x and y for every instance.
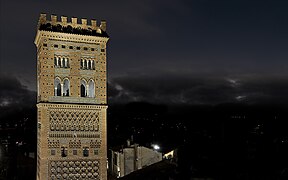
(72, 26)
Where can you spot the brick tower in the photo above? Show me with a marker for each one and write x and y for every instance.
(72, 99)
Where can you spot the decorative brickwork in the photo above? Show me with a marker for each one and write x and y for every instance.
(79, 169)
(74, 120)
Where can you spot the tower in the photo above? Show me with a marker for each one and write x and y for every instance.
(71, 99)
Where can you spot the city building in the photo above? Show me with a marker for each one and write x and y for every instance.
(71, 99)
(131, 158)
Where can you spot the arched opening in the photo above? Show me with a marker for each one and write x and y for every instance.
(89, 65)
(59, 61)
(63, 62)
(83, 91)
(68, 65)
(66, 62)
(55, 61)
(93, 65)
(57, 87)
(85, 64)
(91, 92)
(82, 63)
(66, 88)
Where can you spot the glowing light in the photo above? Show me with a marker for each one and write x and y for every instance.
(155, 146)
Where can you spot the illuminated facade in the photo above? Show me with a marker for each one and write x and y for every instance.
(72, 99)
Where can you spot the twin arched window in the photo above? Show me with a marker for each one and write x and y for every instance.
(87, 64)
(61, 89)
(87, 89)
(61, 62)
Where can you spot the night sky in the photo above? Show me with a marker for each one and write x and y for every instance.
(172, 51)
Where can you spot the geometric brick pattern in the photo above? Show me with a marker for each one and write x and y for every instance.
(73, 120)
(74, 169)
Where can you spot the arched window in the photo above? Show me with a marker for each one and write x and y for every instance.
(82, 63)
(68, 65)
(91, 88)
(57, 87)
(66, 62)
(85, 64)
(88, 64)
(83, 91)
(93, 65)
(63, 62)
(66, 87)
(59, 61)
(55, 61)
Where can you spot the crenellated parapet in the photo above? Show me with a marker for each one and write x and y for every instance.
(72, 26)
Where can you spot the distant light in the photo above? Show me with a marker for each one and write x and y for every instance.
(155, 147)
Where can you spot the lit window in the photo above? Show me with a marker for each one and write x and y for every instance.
(66, 87)
(57, 87)
(91, 88)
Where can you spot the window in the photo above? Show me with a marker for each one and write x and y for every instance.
(64, 152)
(92, 49)
(63, 46)
(74, 152)
(85, 48)
(91, 88)
(78, 48)
(57, 87)
(102, 50)
(82, 64)
(66, 87)
(95, 151)
(45, 45)
(93, 65)
(55, 46)
(59, 62)
(83, 92)
(53, 152)
(87, 64)
(85, 151)
(63, 62)
(66, 62)
(70, 47)
(55, 61)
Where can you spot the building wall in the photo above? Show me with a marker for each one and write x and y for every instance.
(133, 158)
(147, 157)
(71, 129)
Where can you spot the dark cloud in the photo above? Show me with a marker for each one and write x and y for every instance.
(198, 90)
(151, 36)
(14, 95)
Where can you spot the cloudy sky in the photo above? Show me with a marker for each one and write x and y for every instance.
(172, 51)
